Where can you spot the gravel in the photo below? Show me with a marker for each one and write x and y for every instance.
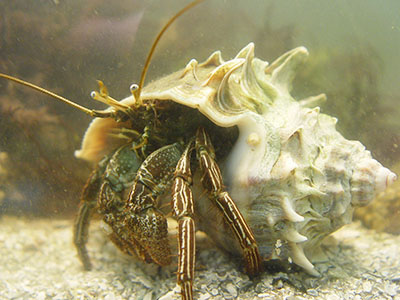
(38, 261)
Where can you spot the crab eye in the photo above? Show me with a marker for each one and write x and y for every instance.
(93, 94)
(133, 87)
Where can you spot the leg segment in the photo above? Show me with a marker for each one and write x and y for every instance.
(182, 204)
(86, 207)
(212, 182)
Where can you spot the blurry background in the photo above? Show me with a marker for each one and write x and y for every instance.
(65, 46)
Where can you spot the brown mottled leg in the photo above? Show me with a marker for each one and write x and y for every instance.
(82, 221)
(145, 223)
(130, 248)
(212, 182)
(182, 203)
(110, 205)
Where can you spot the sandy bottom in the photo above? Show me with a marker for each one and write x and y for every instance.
(38, 261)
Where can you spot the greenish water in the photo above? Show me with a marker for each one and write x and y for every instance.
(349, 24)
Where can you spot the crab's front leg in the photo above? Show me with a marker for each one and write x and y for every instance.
(182, 204)
(146, 224)
(212, 182)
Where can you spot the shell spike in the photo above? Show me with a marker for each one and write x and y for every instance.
(247, 52)
(290, 213)
(300, 259)
(255, 98)
(294, 236)
(283, 68)
(248, 78)
(219, 73)
(313, 101)
(215, 59)
(190, 68)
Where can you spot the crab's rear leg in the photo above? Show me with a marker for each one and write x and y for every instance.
(86, 208)
(182, 204)
(212, 182)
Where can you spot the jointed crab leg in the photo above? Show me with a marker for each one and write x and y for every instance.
(182, 204)
(212, 182)
(86, 208)
(145, 222)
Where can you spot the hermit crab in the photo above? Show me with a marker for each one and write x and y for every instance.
(233, 152)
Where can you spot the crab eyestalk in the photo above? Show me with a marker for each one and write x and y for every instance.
(103, 97)
(133, 88)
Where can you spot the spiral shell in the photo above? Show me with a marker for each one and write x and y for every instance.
(294, 177)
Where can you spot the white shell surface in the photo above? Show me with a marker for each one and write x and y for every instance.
(294, 177)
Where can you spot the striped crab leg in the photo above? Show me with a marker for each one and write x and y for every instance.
(212, 182)
(183, 210)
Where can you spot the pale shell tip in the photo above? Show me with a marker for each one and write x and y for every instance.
(384, 178)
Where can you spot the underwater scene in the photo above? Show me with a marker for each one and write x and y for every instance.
(253, 155)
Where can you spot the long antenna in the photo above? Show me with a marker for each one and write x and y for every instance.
(44, 91)
(136, 93)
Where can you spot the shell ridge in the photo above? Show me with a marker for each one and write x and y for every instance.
(190, 68)
(220, 71)
(270, 91)
(215, 59)
(283, 69)
(252, 91)
(225, 101)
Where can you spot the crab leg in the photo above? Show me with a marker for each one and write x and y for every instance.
(212, 182)
(146, 224)
(182, 204)
(86, 209)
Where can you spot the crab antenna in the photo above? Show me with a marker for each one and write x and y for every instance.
(137, 91)
(90, 112)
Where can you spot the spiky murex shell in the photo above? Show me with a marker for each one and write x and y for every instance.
(292, 175)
